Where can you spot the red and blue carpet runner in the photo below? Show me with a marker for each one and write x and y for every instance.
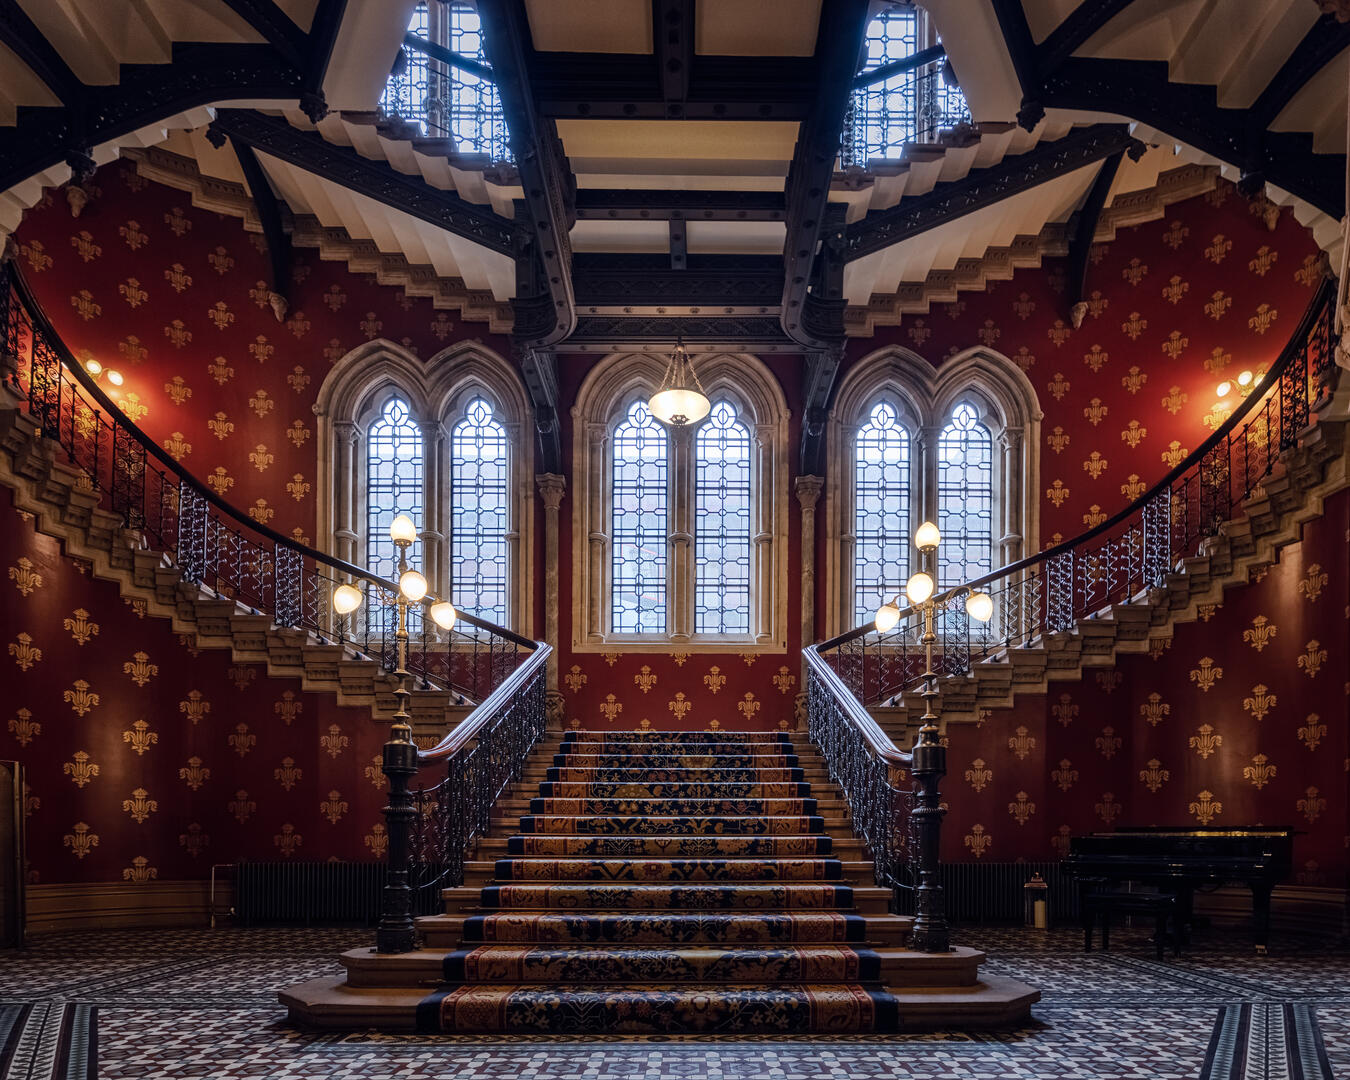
(667, 883)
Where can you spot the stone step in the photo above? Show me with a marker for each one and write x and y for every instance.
(465, 900)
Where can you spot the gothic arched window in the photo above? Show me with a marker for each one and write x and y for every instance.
(639, 515)
(394, 483)
(882, 522)
(722, 503)
(965, 497)
(480, 511)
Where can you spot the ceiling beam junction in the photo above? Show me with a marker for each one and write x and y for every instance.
(644, 204)
(323, 35)
(1080, 247)
(1325, 40)
(673, 43)
(269, 214)
(276, 27)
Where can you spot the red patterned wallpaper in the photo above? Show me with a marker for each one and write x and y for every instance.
(137, 747)
(1239, 718)
(1174, 307)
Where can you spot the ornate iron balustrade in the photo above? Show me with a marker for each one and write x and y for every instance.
(907, 101)
(1127, 555)
(227, 554)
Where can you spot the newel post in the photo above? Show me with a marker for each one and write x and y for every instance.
(930, 932)
(396, 933)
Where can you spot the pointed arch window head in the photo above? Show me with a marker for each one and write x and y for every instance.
(965, 488)
(639, 523)
(480, 497)
(722, 507)
(394, 481)
(882, 515)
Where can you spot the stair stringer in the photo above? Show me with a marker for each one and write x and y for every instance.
(65, 508)
(1274, 516)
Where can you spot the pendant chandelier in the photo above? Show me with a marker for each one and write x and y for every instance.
(680, 400)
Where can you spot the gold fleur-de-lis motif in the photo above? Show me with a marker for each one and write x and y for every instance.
(748, 706)
(26, 579)
(1174, 454)
(297, 380)
(988, 333)
(1218, 248)
(441, 326)
(1311, 805)
(287, 774)
(1218, 305)
(1109, 681)
(575, 679)
(610, 658)
(194, 841)
(130, 404)
(955, 309)
(194, 707)
(81, 840)
(1024, 358)
(261, 458)
(1206, 741)
(784, 681)
(140, 669)
(131, 291)
(1174, 400)
(1023, 306)
(334, 742)
(680, 658)
(1095, 412)
(140, 806)
(978, 841)
(220, 261)
(378, 841)
(1260, 702)
(1259, 772)
(261, 349)
(1310, 272)
(1108, 809)
(178, 222)
(1134, 434)
(25, 653)
(610, 708)
(1058, 386)
(1056, 493)
(1312, 732)
(242, 675)
(261, 512)
(134, 236)
(1134, 273)
(1264, 260)
(1217, 361)
(979, 774)
(1175, 289)
(220, 314)
(220, 370)
(1133, 487)
(178, 278)
(242, 741)
(81, 769)
(36, 254)
(298, 325)
(644, 680)
(80, 697)
(1261, 632)
(1134, 326)
(194, 774)
(84, 305)
(333, 807)
(679, 706)
(140, 738)
(334, 298)
(1094, 517)
(1205, 808)
(1154, 776)
(178, 446)
(1314, 656)
(178, 333)
(1205, 612)
(375, 773)
(371, 325)
(288, 708)
(1313, 582)
(714, 680)
(1154, 710)
(1097, 303)
(221, 426)
(1175, 345)
(1065, 711)
(1061, 841)
(1108, 742)
(1065, 776)
(1133, 381)
(1263, 319)
(261, 403)
(288, 841)
(1095, 464)
(1059, 333)
(1022, 743)
(138, 607)
(24, 728)
(749, 658)
(1057, 440)
(1175, 233)
(297, 433)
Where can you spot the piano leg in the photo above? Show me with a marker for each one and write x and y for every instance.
(1261, 915)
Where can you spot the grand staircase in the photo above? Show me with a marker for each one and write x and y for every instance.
(665, 883)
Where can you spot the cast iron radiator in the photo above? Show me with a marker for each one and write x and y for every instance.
(979, 892)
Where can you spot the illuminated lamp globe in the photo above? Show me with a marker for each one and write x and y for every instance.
(114, 377)
(346, 599)
(93, 367)
(928, 537)
(403, 531)
(1245, 379)
(1224, 389)
(443, 614)
(412, 585)
(919, 588)
(980, 606)
(888, 616)
(679, 401)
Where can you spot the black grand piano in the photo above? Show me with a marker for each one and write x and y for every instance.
(1182, 860)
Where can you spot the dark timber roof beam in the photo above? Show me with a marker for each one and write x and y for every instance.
(643, 204)
(269, 214)
(1085, 228)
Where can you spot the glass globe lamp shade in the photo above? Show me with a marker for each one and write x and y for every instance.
(919, 588)
(114, 377)
(402, 530)
(412, 585)
(928, 537)
(1224, 389)
(443, 614)
(980, 606)
(679, 406)
(346, 599)
(93, 367)
(1245, 379)
(888, 617)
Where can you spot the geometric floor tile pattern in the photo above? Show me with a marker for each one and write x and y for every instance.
(197, 1003)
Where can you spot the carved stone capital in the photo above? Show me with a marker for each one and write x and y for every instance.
(551, 487)
(808, 491)
(555, 708)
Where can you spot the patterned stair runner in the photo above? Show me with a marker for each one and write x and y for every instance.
(667, 883)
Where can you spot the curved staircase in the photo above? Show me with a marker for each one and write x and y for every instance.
(665, 883)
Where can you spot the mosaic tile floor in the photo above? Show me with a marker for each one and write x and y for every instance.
(186, 1004)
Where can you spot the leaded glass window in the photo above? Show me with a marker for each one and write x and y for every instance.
(722, 523)
(480, 513)
(639, 523)
(881, 509)
(393, 482)
(965, 486)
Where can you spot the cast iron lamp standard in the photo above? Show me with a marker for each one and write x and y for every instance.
(930, 932)
(396, 932)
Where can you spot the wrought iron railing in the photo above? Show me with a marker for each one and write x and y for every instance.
(228, 555)
(908, 101)
(1123, 557)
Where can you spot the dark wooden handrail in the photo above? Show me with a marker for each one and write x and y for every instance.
(879, 742)
(464, 733)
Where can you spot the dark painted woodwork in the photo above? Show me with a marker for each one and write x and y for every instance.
(269, 214)
(899, 67)
(276, 27)
(26, 41)
(642, 204)
(679, 243)
(673, 44)
(1076, 29)
(633, 281)
(609, 332)
(1325, 40)
(539, 369)
(323, 33)
(1086, 227)
(447, 56)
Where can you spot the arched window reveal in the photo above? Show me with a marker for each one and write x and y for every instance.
(639, 524)
(965, 486)
(722, 523)
(881, 514)
(394, 483)
(480, 513)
